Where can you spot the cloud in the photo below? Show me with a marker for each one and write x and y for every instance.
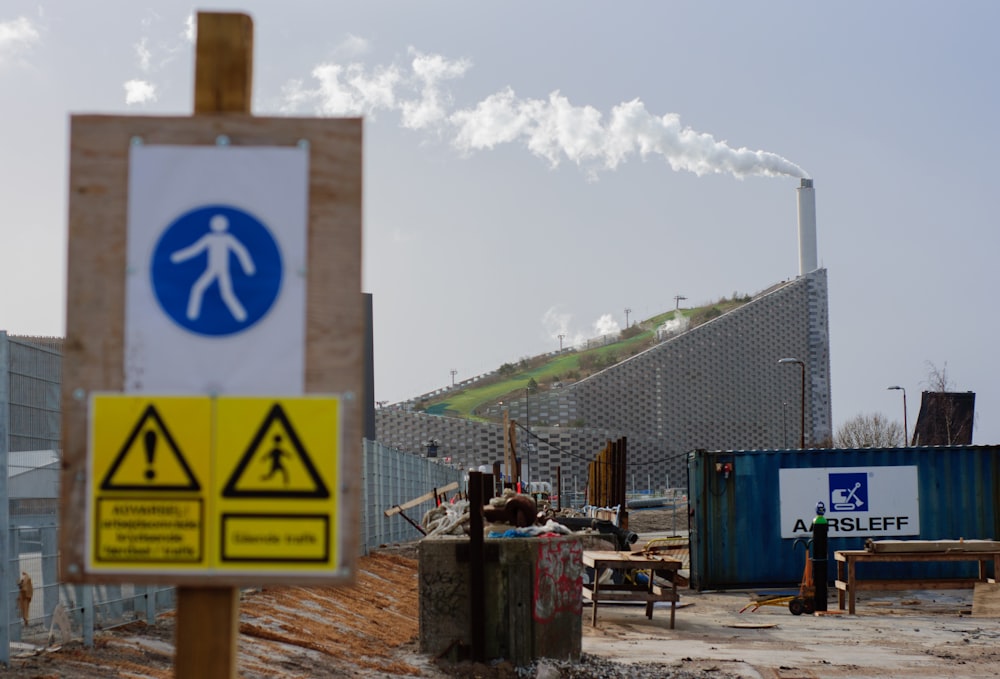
(352, 47)
(153, 56)
(553, 128)
(142, 51)
(139, 92)
(17, 37)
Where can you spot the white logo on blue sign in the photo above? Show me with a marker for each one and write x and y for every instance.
(849, 492)
(216, 270)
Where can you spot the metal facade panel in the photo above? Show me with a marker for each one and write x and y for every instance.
(735, 533)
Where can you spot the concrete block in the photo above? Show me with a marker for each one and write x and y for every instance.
(533, 603)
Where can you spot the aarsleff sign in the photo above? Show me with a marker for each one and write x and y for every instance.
(860, 501)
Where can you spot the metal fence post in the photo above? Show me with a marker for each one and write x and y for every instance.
(50, 572)
(5, 603)
(10, 581)
(150, 604)
(87, 608)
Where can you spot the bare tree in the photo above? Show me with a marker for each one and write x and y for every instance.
(937, 379)
(869, 431)
(946, 415)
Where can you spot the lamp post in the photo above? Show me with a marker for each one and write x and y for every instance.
(627, 312)
(906, 428)
(784, 423)
(802, 431)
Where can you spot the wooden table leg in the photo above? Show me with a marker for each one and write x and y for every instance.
(851, 577)
(673, 602)
(649, 588)
(597, 584)
(840, 592)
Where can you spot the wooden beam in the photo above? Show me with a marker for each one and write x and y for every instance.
(207, 632)
(223, 70)
(423, 498)
(208, 618)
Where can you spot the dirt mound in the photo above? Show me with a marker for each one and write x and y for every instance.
(367, 630)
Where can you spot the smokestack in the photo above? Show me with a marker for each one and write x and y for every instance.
(807, 227)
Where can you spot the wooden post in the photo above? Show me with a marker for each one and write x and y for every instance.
(208, 618)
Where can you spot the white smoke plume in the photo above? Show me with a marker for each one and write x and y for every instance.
(17, 37)
(557, 322)
(553, 129)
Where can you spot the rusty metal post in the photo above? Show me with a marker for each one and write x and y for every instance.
(477, 572)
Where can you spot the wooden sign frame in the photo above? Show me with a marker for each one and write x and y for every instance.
(94, 347)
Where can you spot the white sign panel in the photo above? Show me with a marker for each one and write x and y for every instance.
(860, 501)
(215, 292)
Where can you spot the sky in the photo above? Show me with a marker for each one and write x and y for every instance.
(534, 169)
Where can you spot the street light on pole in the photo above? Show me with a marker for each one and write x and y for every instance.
(627, 312)
(802, 430)
(906, 428)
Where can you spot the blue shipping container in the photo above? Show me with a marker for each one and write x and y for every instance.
(749, 507)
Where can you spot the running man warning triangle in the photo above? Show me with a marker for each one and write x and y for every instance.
(150, 460)
(276, 464)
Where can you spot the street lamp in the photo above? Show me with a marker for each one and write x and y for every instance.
(802, 431)
(627, 312)
(906, 428)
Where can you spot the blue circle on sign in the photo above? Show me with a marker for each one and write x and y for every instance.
(216, 270)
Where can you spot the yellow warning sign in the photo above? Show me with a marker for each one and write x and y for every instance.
(224, 485)
(275, 537)
(276, 463)
(140, 530)
(150, 461)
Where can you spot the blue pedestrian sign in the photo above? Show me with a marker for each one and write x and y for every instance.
(216, 270)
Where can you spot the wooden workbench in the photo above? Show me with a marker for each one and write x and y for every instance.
(632, 563)
(850, 585)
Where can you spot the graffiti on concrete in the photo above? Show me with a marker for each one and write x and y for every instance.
(558, 579)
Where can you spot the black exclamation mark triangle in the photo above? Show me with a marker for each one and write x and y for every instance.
(150, 417)
(317, 490)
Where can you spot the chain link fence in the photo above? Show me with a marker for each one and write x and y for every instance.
(36, 608)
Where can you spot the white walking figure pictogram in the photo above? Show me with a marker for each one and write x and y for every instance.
(219, 244)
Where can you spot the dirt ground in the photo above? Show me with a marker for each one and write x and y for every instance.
(371, 630)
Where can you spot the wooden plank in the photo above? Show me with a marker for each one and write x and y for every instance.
(208, 618)
(423, 498)
(223, 76)
(986, 600)
(634, 596)
(934, 546)
(900, 585)
(207, 632)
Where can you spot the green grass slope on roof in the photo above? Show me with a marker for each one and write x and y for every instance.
(467, 401)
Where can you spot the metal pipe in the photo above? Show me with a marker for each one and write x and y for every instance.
(906, 427)
(807, 227)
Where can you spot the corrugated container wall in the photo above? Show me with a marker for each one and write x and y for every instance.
(737, 519)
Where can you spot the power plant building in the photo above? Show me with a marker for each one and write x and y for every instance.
(717, 386)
